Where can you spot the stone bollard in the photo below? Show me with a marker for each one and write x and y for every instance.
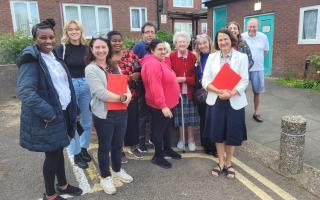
(292, 144)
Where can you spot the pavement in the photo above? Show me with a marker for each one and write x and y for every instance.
(21, 170)
(279, 101)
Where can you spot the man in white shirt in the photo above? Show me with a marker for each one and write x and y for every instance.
(259, 46)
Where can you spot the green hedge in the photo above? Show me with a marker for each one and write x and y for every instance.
(11, 45)
(297, 83)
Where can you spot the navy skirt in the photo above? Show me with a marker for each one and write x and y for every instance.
(223, 124)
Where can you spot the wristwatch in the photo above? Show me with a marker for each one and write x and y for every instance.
(123, 98)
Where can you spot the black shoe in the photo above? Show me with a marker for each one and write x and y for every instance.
(171, 153)
(71, 190)
(142, 148)
(161, 162)
(79, 161)
(85, 155)
(57, 198)
(257, 118)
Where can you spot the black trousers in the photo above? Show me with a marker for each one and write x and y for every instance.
(160, 135)
(54, 166)
(132, 133)
(208, 146)
(144, 117)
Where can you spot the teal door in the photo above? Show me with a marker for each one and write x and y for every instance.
(219, 19)
(266, 26)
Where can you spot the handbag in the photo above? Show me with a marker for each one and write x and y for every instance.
(199, 95)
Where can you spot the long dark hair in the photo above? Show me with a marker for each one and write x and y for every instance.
(153, 44)
(240, 42)
(227, 32)
(90, 57)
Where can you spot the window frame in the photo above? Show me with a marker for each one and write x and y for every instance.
(140, 17)
(13, 14)
(181, 22)
(179, 6)
(301, 19)
(201, 23)
(202, 5)
(96, 7)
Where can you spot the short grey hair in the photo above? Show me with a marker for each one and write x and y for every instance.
(182, 34)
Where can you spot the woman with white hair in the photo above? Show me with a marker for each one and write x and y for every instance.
(183, 62)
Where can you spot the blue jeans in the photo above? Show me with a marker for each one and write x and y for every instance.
(83, 100)
(111, 132)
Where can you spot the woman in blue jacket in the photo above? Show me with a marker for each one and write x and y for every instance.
(48, 109)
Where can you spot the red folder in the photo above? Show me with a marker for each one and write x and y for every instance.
(226, 78)
(117, 83)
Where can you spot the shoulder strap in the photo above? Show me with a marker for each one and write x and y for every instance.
(64, 50)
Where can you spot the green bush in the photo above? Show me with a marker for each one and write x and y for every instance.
(128, 42)
(165, 36)
(11, 45)
(297, 83)
(315, 61)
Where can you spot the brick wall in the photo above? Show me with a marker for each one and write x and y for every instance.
(8, 80)
(53, 9)
(5, 16)
(288, 55)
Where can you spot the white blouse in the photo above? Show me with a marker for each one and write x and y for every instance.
(59, 79)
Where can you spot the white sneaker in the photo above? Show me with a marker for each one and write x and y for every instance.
(192, 146)
(124, 176)
(180, 145)
(107, 185)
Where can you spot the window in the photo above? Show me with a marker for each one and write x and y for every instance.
(138, 16)
(183, 26)
(309, 25)
(202, 4)
(96, 20)
(183, 3)
(204, 28)
(24, 15)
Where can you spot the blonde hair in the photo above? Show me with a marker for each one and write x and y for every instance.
(66, 39)
(182, 34)
(168, 48)
(201, 38)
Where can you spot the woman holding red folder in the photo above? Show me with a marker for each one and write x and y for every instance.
(225, 117)
(110, 124)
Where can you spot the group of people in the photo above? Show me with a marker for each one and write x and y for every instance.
(57, 83)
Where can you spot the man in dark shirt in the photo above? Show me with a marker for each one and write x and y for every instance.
(148, 32)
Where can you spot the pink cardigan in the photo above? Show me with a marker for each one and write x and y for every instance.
(162, 89)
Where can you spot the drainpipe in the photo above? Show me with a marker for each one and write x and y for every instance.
(158, 14)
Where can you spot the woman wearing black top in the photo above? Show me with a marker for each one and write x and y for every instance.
(72, 51)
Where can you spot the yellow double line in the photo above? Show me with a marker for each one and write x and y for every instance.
(93, 175)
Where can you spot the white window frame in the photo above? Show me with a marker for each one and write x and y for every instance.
(95, 11)
(28, 13)
(202, 4)
(309, 41)
(179, 6)
(206, 24)
(189, 23)
(140, 17)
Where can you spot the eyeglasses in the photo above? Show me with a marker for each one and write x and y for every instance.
(104, 37)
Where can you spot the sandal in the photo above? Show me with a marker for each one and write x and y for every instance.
(217, 171)
(230, 172)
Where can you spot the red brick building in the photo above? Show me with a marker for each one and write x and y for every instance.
(292, 27)
(185, 15)
(97, 16)
(101, 16)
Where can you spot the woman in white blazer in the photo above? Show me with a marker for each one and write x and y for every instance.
(225, 117)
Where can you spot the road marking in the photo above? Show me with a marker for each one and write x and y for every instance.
(250, 185)
(276, 189)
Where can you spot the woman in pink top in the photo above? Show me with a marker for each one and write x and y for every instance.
(162, 95)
